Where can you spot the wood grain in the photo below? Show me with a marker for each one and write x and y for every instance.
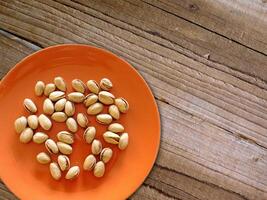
(209, 82)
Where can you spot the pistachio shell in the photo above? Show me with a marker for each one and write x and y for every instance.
(39, 88)
(48, 107)
(66, 137)
(69, 108)
(72, 173)
(106, 97)
(106, 84)
(106, 154)
(60, 105)
(26, 135)
(60, 83)
(113, 110)
(82, 120)
(59, 117)
(122, 104)
(50, 87)
(56, 95)
(76, 97)
(43, 158)
(55, 171)
(99, 169)
(104, 118)
(64, 148)
(39, 137)
(96, 147)
(78, 85)
(51, 146)
(111, 137)
(44, 122)
(95, 109)
(20, 124)
(89, 134)
(72, 125)
(93, 86)
(63, 162)
(116, 128)
(89, 162)
(124, 140)
(30, 106)
(90, 99)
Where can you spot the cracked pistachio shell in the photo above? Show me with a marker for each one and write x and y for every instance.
(78, 85)
(59, 116)
(122, 104)
(60, 105)
(39, 137)
(89, 162)
(76, 97)
(26, 135)
(89, 134)
(124, 140)
(30, 106)
(104, 118)
(20, 124)
(95, 108)
(72, 125)
(93, 86)
(55, 171)
(73, 173)
(48, 107)
(106, 84)
(90, 99)
(39, 88)
(64, 148)
(106, 97)
(63, 162)
(113, 110)
(60, 83)
(69, 108)
(111, 137)
(82, 120)
(50, 87)
(56, 95)
(116, 128)
(99, 169)
(66, 137)
(96, 147)
(106, 154)
(43, 158)
(51, 146)
(44, 122)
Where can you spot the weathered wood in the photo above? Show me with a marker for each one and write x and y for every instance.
(213, 115)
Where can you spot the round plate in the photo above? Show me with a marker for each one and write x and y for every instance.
(127, 169)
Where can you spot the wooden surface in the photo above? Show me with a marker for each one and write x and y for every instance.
(206, 62)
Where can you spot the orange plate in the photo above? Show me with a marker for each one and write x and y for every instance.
(127, 169)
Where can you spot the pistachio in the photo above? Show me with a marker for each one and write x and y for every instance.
(93, 86)
(69, 108)
(64, 148)
(122, 104)
(78, 85)
(113, 110)
(73, 173)
(95, 109)
(60, 84)
(50, 87)
(39, 88)
(51, 146)
(106, 154)
(72, 125)
(96, 147)
(99, 169)
(44, 122)
(82, 120)
(89, 134)
(89, 162)
(76, 97)
(30, 106)
(104, 118)
(48, 107)
(39, 137)
(60, 105)
(90, 99)
(63, 162)
(55, 171)
(56, 95)
(124, 140)
(106, 84)
(111, 137)
(106, 97)
(43, 158)
(20, 124)
(26, 135)
(66, 137)
(116, 128)
(59, 117)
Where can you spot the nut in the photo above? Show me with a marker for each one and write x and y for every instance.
(55, 171)
(44, 122)
(93, 86)
(122, 104)
(64, 148)
(66, 137)
(39, 88)
(69, 108)
(76, 97)
(59, 117)
(26, 135)
(124, 140)
(43, 158)
(48, 107)
(106, 97)
(60, 84)
(95, 109)
(82, 120)
(89, 134)
(20, 124)
(111, 137)
(60, 105)
(72, 125)
(39, 137)
(116, 128)
(56, 95)
(96, 147)
(105, 84)
(89, 162)
(113, 110)
(51, 146)
(73, 173)
(106, 154)
(63, 162)
(78, 85)
(50, 87)
(30, 106)
(104, 118)
(90, 99)
(99, 169)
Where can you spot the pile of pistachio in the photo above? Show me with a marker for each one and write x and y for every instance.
(60, 107)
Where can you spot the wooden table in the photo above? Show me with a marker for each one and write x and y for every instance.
(206, 62)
